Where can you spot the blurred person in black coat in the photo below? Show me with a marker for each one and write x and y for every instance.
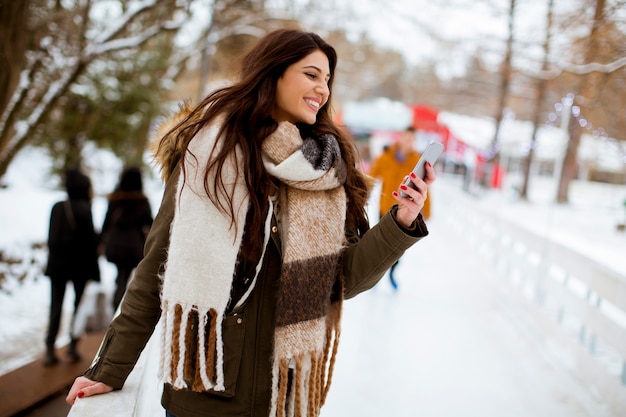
(126, 224)
(72, 256)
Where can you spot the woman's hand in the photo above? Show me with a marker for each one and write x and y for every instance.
(85, 387)
(411, 205)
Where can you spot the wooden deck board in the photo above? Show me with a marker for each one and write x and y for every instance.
(26, 386)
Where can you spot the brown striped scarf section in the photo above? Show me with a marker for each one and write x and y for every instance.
(311, 211)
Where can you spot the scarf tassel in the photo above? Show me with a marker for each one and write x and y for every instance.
(302, 383)
(200, 370)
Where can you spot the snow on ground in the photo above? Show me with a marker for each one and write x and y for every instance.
(452, 341)
(456, 339)
(587, 225)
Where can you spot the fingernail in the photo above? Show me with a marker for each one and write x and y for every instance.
(395, 193)
(80, 394)
(403, 187)
(428, 163)
(413, 175)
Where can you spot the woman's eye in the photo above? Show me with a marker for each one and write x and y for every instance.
(311, 75)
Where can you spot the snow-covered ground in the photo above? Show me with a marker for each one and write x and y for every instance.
(458, 339)
(454, 340)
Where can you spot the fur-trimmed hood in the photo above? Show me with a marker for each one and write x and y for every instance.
(168, 149)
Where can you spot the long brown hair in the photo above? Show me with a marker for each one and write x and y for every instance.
(246, 108)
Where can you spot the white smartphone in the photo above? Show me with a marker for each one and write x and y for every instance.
(431, 153)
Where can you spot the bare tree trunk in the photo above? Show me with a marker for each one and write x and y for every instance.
(541, 92)
(13, 40)
(589, 89)
(504, 85)
(73, 157)
(208, 50)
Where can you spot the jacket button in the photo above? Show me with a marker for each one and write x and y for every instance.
(239, 320)
(274, 229)
(246, 281)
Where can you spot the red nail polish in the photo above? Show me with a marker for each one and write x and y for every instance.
(413, 175)
(404, 187)
(395, 193)
(80, 394)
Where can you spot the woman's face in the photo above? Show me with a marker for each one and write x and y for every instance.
(303, 89)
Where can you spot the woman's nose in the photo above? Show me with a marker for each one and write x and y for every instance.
(324, 91)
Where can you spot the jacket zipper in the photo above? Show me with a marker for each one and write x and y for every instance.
(95, 364)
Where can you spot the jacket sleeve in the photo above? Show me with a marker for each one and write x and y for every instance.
(147, 215)
(140, 310)
(106, 224)
(55, 229)
(366, 260)
(89, 238)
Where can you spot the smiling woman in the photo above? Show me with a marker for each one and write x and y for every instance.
(261, 234)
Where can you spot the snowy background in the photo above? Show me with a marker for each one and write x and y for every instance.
(25, 206)
(456, 339)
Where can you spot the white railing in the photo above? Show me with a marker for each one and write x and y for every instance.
(574, 300)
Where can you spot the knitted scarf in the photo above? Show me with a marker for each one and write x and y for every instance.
(201, 264)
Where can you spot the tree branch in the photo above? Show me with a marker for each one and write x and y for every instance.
(126, 20)
(581, 69)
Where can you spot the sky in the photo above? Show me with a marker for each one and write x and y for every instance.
(446, 33)
(414, 27)
(450, 32)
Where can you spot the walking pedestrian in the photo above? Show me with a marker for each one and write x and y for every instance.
(391, 168)
(72, 257)
(126, 225)
(261, 234)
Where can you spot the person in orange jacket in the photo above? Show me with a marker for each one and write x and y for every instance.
(391, 167)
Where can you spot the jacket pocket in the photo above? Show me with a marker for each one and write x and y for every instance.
(233, 332)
